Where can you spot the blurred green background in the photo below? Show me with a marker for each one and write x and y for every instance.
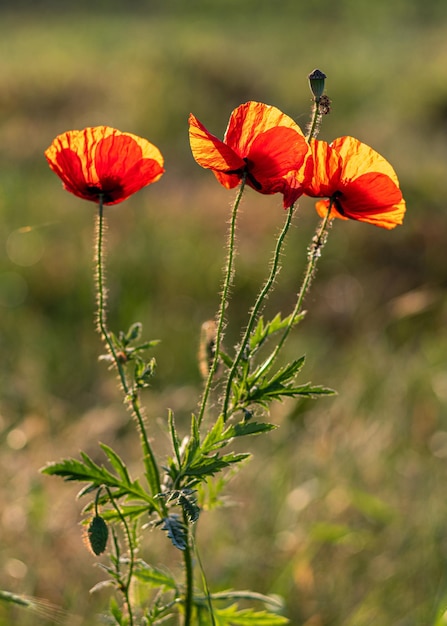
(343, 509)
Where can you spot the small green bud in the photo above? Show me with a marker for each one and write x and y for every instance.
(316, 83)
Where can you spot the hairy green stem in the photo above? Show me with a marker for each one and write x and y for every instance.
(125, 585)
(274, 269)
(189, 574)
(131, 395)
(314, 125)
(228, 278)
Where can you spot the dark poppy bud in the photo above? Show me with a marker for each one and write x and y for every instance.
(97, 535)
(316, 83)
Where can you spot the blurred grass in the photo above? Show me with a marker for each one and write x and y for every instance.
(348, 521)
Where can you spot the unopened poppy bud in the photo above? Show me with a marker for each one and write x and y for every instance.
(316, 83)
(97, 535)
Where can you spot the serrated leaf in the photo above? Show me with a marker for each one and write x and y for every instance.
(188, 502)
(286, 373)
(242, 429)
(214, 438)
(207, 466)
(87, 471)
(279, 392)
(83, 471)
(176, 531)
(217, 437)
(264, 330)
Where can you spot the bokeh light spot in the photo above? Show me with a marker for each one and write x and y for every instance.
(25, 246)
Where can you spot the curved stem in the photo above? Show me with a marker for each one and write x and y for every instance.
(229, 271)
(314, 253)
(206, 588)
(131, 395)
(274, 269)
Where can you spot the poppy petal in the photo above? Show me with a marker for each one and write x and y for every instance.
(251, 119)
(125, 164)
(68, 166)
(327, 170)
(276, 152)
(373, 198)
(359, 158)
(209, 151)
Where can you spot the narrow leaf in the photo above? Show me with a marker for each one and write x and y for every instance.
(233, 616)
(116, 463)
(174, 437)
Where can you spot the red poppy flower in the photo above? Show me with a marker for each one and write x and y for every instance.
(359, 182)
(261, 142)
(102, 161)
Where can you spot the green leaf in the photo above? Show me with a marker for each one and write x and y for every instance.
(246, 594)
(207, 466)
(116, 613)
(263, 395)
(134, 332)
(117, 463)
(174, 437)
(226, 359)
(264, 330)
(241, 429)
(214, 438)
(193, 444)
(95, 476)
(83, 471)
(284, 374)
(144, 372)
(129, 511)
(233, 616)
(371, 506)
(261, 390)
(153, 576)
(217, 437)
(326, 532)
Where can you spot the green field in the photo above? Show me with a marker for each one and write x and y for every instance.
(343, 509)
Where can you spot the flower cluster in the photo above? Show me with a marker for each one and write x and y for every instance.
(262, 146)
(268, 149)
